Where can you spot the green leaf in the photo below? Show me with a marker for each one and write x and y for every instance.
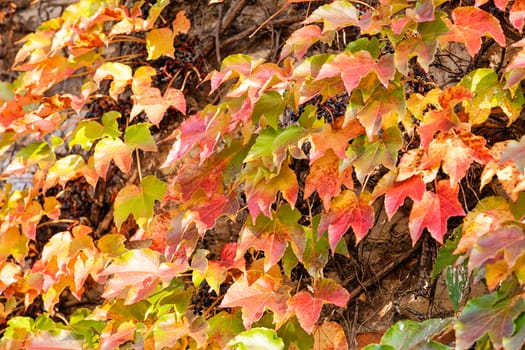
(292, 333)
(445, 257)
(222, 328)
(270, 106)
(138, 200)
(257, 339)
(457, 279)
(408, 334)
(378, 347)
(139, 136)
(365, 44)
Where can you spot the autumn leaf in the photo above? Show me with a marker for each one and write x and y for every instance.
(517, 15)
(335, 16)
(352, 67)
(159, 42)
(264, 293)
(139, 136)
(142, 79)
(169, 328)
(120, 73)
(307, 307)
(257, 338)
(413, 187)
(470, 24)
(433, 211)
(154, 104)
(515, 151)
(300, 41)
(329, 336)
(274, 235)
(138, 200)
(181, 24)
(347, 210)
(326, 178)
(68, 168)
(109, 149)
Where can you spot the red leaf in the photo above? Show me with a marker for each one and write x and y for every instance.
(347, 210)
(330, 291)
(413, 187)
(264, 293)
(306, 308)
(433, 211)
(301, 40)
(517, 14)
(354, 66)
(470, 24)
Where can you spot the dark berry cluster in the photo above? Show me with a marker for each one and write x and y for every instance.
(204, 297)
(329, 110)
(419, 81)
(76, 199)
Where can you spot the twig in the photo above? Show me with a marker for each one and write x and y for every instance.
(218, 35)
(384, 272)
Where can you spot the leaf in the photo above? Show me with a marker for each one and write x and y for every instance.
(169, 329)
(300, 41)
(120, 73)
(413, 187)
(493, 314)
(139, 136)
(517, 15)
(88, 131)
(515, 151)
(315, 254)
(307, 307)
(366, 155)
(352, 67)
(154, 104)
(256, 339)
(109, 149)
(347, 210)
(408, 334)
(274, 235)
(457, 279)
(458, 149)
(329, 336)
(333, 138)
(138, 200)
(261, 195)
(181, 24)
(142, 79)
(68, 168)
(264, 293)
(159, 42)
(134, 275)
(470, 24)
(59, 339)
(223, 327)
(326, 178)
(433, 212)
(335, 16)
(423, 44)
(380, 110)
(446, 257)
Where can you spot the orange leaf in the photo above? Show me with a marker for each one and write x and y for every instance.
(111, 149)
(159, 42)
(155, 105)
(470, 24)
(329, 336)
(119, 72)
(181, 24)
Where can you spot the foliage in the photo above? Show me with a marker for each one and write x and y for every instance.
(389, 144)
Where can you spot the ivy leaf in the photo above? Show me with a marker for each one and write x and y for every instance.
(154, 104)
(326, 178)
(169, 329)
(352, 67)
(367, 155)
(109, 149)
(458, 149)
(254, 298)
(517, 15)
(315, 254)
(347, 210)
(88, 131)
(335, 16)
(515, 151)
(379, 110)
(413, 187)
(329, 336)
(300, 41)
(223, 327)
(138, 200)
(134, 275)
(408, 334)
(433, 212)
(470, 24)
(142, 79)
(181, 24)
(259, 338)
(493, 314)
(261, 195)
(423, 44)
(333, 138)
(139, 136)
(68, 168)
(159, 42)
(274, 235)
(120, 73)
(307, 307)
(59, 339)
